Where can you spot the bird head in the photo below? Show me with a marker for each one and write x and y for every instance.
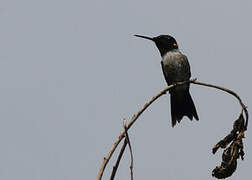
(164, 43)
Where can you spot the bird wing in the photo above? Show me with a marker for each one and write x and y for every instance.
(185, 63)
(163, 70)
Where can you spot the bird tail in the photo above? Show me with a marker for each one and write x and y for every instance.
(182, 105)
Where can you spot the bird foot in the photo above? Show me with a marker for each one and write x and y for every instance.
(193, 79)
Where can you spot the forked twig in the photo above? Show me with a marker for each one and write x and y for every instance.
(126, 141)
(130, 148)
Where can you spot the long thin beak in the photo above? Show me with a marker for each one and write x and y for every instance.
(145, 37)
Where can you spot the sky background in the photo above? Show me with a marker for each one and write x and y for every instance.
(71, 71)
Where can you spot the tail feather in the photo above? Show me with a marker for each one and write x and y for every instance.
(182, 105)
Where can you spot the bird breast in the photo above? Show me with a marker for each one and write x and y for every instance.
(176, 67)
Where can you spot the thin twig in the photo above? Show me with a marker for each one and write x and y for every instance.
(131, 153)
(118, 159)
(244, 108)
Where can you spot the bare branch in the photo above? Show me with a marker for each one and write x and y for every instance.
(132, 121)
(135, 117)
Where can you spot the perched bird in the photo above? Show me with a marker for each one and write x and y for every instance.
(175, 68)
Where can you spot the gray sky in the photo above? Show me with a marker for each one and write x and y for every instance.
(72, 70)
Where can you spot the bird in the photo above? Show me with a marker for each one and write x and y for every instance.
(176, 68)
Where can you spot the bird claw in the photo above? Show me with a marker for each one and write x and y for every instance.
(193, 79)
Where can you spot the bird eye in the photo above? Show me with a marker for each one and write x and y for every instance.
(175, 45)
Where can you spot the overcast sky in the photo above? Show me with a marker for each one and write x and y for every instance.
(70, 71)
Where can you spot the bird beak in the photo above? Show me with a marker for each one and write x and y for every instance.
(145, 37)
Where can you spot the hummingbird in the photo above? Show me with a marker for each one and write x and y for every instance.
(176, 68)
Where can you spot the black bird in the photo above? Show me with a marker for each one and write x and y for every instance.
(175, 68)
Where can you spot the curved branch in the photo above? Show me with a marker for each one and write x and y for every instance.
(244, 108)
(162, 92)
(132, 121)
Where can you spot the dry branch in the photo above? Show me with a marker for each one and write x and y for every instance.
(135, 117)
(233, 152)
